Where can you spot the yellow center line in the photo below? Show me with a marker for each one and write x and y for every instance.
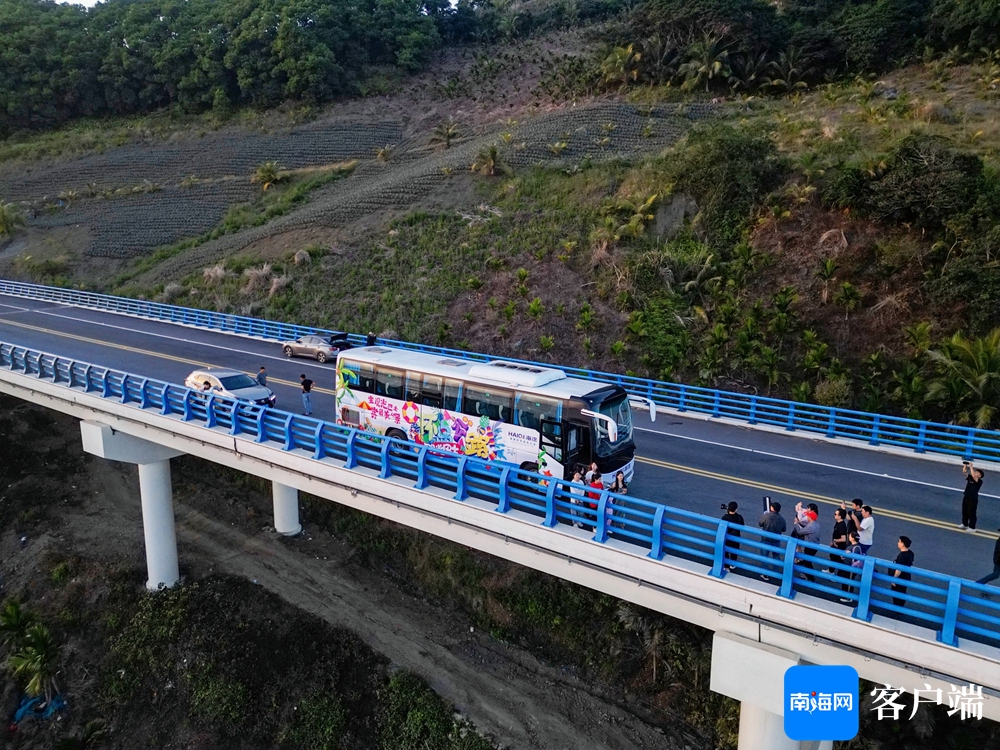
(652, 461)
(147, 352)
(802, 494)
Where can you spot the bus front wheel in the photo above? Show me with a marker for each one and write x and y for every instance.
(530, 466)
(397, 434)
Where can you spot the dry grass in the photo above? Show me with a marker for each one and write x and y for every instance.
(257, 278)
(278, 283)
(302, 258)
(215, 275)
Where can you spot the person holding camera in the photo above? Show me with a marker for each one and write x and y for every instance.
(806, 527)
(734, 519)
(970, 498)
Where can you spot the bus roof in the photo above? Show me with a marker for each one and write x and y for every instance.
(545, 381)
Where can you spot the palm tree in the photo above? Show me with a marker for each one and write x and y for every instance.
(747, 71)
(621, 67)
(708, 61)
(10, 218)
(14, 623)
(650, 631)
(911, 390)
(849, 298)
(35, 662)
(788, 72)
(93, 732)
(489, 161)
(445, 133)
(659, 58)
(826, 273)
(975, 365)
(918, 336)
(268, 173)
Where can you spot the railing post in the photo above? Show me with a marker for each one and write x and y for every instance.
(719, 550)
(716, 403)
(289, 433)
(421, 468)
(682, 398)
(864, 609)
(461, 491)
(210, 410)
(105, 385)
(187, 415)
(656, 540)
(503, 499)
(831, 428)
(144, 394)
(352, 450)
(876, 420)
(165, 407)
(86, 378)
(752, 417)
(601, 526)
(261, 427)
(124, 398)
(790, 423)
(550, 504)
(385, 471)
(970, 444)
(947, 634)
(921, 437)
(787, 587)
(234, 428)
(319, 451)
(55, 370)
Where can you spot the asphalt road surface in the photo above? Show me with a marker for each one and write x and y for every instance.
(683, 462)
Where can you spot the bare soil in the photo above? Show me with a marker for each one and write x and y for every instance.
(223, 527)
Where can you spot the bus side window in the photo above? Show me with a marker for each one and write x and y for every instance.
(389, 383)
(430, 391)
(530, 410)
(493, 404)
(413, 387)
(453, 395)
(572, 439)
(364, 377)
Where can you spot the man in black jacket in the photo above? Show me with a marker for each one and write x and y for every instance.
(996, 565)
(970, 498)
(734, 519)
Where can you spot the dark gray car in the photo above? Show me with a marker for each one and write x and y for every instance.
(320, 348)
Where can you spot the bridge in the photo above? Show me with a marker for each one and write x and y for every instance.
(667, 558)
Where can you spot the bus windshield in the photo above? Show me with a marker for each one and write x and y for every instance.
(618, 409)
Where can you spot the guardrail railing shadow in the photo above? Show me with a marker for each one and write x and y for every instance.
(950, 607)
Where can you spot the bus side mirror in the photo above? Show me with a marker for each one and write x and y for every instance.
(647, 403)
(611, 425)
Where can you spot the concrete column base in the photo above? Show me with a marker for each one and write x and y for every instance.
(155, 489)
(286, 509)
(762, 730)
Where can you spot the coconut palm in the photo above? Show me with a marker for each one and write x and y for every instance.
(789, 71)
(489, 161)
(747, 71)
(35, 661)
(268, 173)
(93, 732)
(826, 273)
(445, 133)
(707, 62)
(974, 366)
(621, 67)
(849, 298)
(659, 59)
(14, 623)
(652, 634)
(10, 218)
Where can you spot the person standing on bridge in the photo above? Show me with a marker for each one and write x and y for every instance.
(996, 565)
(262, 377)
(853, 515)
(806, 527)
(307, 386)
(773, 522)
(905, 557)
(866, 529)
(970, 498)
(839, 542)
(734, 519)
(370, 339)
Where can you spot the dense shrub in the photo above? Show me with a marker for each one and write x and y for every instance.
(967, 24)
(727, 171)
(875, 36)
(752, 23)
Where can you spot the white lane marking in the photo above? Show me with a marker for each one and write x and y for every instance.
(298, 360)
(808, 461)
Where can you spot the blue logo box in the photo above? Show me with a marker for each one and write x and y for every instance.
(821, 703)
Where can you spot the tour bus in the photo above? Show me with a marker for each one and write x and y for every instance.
(532, 417)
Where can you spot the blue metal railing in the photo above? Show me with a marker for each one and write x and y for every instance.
(950, 607)
(968, 443)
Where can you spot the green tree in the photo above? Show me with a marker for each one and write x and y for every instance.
(445, 133)
(974, 365)
(14, 623)
(707, 63)
(827, 272)
(621, 67)
(849, 298)
(35, 661)
(789, 72)
(10, 218)
(267, 174)
(489, 162)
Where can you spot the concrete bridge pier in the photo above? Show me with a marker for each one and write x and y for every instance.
(155, 490)
(286, 509)
(754, 674)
